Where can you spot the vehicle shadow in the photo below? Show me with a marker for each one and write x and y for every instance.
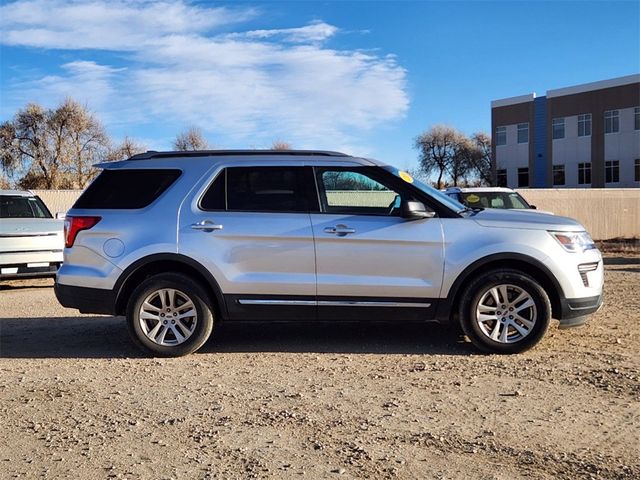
(107, 337)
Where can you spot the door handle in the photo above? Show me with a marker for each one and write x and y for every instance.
(206, 226)
(340, 230)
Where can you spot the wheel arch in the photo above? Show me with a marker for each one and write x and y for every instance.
(151, 265)
(515, 261)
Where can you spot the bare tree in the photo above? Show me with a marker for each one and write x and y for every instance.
(23, 143)
(52, 148)
(439, 148)
(280, 145)
(481, 161)
(127, 148)
(86, 142)
(191, 139)
(460, 165)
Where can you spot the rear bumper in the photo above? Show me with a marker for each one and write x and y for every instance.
(575, 311)
(87, 300)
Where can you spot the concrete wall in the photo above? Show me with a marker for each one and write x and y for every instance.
(58, 200)
(606, 213)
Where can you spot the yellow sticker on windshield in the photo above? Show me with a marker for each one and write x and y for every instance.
(473, 198)
(406, 177)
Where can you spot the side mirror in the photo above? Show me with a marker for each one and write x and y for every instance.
(60, 215)
(414, 210)
(533, 206)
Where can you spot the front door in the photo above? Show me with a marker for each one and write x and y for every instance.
(371, 263)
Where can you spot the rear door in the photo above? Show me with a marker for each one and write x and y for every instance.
(251, 229)
(372, 263)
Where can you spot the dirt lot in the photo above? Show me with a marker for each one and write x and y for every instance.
(267, 401)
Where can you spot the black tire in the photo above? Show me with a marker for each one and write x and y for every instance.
(199, 326)
(514, 283)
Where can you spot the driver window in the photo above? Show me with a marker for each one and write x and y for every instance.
(356, 193)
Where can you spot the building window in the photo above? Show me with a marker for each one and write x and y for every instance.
(611, 121)
(501, 135)
(584, 173)
(558, 174)
(501, 177)
(557, 127)
(523, 177)
(636, 118)
(637, 170)
(612, 171)
(584, 125)
(523, 133)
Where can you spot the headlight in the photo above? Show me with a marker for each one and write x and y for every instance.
(574, 241)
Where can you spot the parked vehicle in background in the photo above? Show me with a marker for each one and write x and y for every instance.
(490, 197)
(31, 240)
(177, 241)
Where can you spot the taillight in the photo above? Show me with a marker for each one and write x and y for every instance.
(74, 225)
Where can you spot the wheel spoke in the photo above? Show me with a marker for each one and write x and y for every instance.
(486, 308)
(179, 336)
(496, 331)
(486, 318)
(495, 295)
(520, 298)
(185, 305)
(186, 330)
(154, 331)
(149, 316)
(163, 333)
(171, 297)
(505, 294)
(504, 333)
(522, 330)
(148, 306)
(527, 304)
(163, 300)
(187, 314)
(526, 322)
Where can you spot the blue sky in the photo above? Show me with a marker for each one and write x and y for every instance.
(361, 77)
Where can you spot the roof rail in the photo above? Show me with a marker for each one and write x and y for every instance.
(218, 153)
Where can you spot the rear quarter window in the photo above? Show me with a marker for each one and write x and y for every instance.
(127, 188)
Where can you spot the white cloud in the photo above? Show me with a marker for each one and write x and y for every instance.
(314, 32)
(107, 25)
(181, 67)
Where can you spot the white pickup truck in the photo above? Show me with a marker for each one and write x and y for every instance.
(31, 240)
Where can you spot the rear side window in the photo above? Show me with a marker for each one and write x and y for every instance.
(126, 189)
(261, 189)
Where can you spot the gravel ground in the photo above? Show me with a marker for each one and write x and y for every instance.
(77, 400)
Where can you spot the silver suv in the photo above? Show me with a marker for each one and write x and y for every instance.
(180, 241)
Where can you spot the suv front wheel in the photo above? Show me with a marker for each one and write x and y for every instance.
(504, 311)
(169, 315)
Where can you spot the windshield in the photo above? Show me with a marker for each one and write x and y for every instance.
(16, 206)
(493, 200)
(432, 192)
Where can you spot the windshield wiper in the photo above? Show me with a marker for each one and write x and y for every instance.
(471, 209)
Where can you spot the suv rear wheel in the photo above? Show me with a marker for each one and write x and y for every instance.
(504, 311)
(169, 315)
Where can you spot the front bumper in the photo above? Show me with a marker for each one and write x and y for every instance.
(575, 311)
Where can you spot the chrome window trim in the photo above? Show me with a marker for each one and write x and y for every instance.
(331, 303)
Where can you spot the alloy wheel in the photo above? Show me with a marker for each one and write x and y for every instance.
(167, 317)
(506, 313)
